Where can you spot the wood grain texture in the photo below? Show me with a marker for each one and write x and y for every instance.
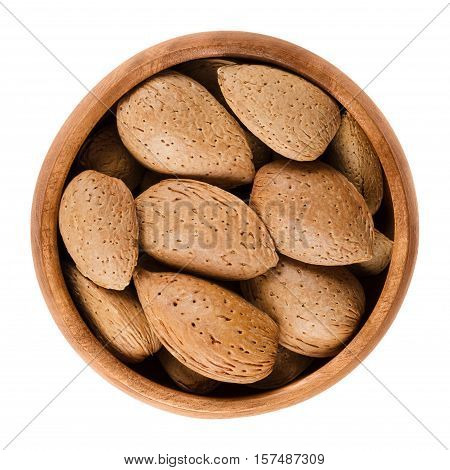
(83, 119)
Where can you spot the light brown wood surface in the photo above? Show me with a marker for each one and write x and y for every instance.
(400, 217)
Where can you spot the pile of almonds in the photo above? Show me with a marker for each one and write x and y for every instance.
(220, 222)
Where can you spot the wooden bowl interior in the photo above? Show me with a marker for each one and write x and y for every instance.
(373, 286)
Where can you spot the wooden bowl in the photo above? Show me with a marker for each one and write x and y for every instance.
(398, 215)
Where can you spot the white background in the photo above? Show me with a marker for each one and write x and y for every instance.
(357, 423)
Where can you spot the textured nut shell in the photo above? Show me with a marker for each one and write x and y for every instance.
(97, 221)
(204, 71)
(382, 251)
(173, 125)
(116, 317)
(187, 379)
(209, 329)
(313, 213)
(105, 153)
(351, 153)
(194, 225)
(290, 115)
(288, 366)
(317, 308)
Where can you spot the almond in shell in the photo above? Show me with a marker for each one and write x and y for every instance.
(317, 308)
(382, 251)
(185, 378)
(207, 328)
(116, 317)
(313, 213)
(204, 71)
(105, 153)
(173, 125)
(351, 153)
(204, 229)
(288, 366)
(98, 224)
(289, 114)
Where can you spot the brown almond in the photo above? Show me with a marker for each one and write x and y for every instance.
(207, 328)
(289, 114)
(317, 308)
(173, 125)
(352, 154)
(204, 71)
(185, 378)
(105, 152)
(116, 318)
(313, 213)
(288, 366)
(204, 229)
(382, 251)
(98, 223)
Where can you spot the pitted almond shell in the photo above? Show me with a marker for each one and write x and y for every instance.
(207, 328)
(289, 114)
(382, 251)
(317, 308)
(288, 366)
(98, 223)
(204, 229)
(351, 153)
(185, 378)
(313, 213)
(105, 153)
(116, 317)
(204, 71)
(173, 125)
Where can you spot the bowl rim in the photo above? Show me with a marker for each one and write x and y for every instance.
(250, 46)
